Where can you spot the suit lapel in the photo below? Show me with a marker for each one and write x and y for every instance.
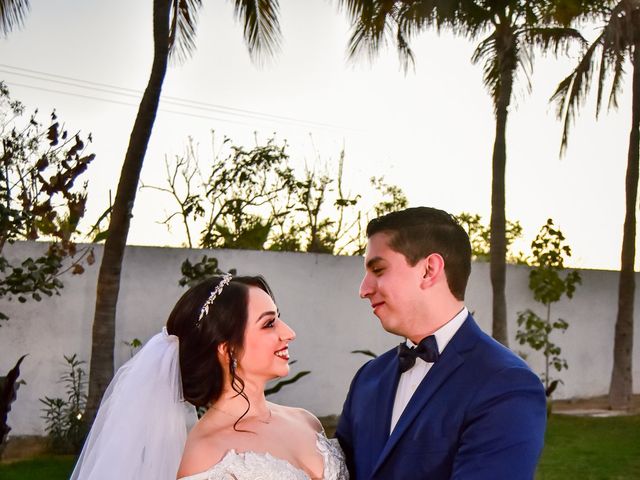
(383, 401)
(450, 361)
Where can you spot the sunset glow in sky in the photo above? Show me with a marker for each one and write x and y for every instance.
(430, 131)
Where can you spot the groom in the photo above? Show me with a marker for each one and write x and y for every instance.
(457, 406)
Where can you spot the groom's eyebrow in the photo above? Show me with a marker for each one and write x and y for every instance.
(372, 261)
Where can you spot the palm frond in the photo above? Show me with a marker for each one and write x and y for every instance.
(572, 91)
(556, 39)
(12, 14)
(470, 17)
(525, 60)
(619, 36)
(182, 31)
(355, 8)
(500, 56)
(602, 73)
(616, 40)
(616, 82)
(575, 12)
(261, 26)
(372, 22)
(487, 53)
(367, 40)
(404, 51)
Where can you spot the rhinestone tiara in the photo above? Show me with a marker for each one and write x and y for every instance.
(226, 279)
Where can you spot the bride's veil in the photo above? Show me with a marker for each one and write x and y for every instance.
(141, 427)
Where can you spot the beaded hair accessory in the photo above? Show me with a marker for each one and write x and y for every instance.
(226, 279)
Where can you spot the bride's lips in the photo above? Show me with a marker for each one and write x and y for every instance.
(283, 353)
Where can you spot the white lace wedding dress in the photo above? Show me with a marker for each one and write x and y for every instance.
(263, 466)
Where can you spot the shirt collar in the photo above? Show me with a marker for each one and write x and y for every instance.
(446, 332)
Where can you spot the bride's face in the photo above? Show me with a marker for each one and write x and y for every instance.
(265, 353)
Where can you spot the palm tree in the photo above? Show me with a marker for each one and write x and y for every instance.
(12, 13)
(618, 42)
(174, 24)
(512, 28)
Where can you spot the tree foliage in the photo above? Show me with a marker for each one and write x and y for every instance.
(251, 198)
(480, 235)
(42, 199)
(548, 282)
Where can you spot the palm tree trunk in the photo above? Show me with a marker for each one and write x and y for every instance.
(103, 340)
(498, 241)
(621, 387)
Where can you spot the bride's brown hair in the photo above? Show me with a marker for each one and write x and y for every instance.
(225, 323)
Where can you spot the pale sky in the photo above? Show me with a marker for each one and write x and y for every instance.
(429, 131)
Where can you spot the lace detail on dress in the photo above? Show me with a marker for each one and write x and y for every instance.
(264, 466)
(335, 467)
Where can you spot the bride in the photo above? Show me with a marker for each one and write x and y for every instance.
(224, 340)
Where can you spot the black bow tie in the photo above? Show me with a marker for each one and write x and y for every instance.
(427, 350)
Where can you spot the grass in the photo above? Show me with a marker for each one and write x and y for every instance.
(46, 468)
(591, 448)
(576, 448)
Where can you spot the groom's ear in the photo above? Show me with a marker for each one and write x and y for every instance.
(432, 269)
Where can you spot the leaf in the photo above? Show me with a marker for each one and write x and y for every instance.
(8, 394)
(77, 269)
(91, 257)
(368, 353)
(52, 134)
(278, 386)
(100, 236)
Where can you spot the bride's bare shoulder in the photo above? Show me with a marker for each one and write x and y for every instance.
(202, 450)
(299, 415)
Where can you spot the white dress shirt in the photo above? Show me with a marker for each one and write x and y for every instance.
(410, 379)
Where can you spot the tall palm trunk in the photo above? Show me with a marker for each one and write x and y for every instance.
(621, 387)
(102, 347)
(498, 242)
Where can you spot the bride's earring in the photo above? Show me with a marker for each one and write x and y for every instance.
(234, 364)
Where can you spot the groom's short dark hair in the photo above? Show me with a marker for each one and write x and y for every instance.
(420, 231)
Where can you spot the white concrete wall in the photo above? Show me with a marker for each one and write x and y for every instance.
(317, 295)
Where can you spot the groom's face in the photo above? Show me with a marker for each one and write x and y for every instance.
(392, 286)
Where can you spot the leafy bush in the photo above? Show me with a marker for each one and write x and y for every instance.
(8, 391)
(63, 417)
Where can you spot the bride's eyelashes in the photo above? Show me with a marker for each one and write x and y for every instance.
(271, 323)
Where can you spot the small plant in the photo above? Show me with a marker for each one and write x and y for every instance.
(8, 391)
(549, 251)
(63, 417)
(133, 345)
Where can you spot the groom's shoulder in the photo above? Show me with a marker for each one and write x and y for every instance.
(378, 364)
(492, 354)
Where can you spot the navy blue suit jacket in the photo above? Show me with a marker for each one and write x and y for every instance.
(479, 413)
